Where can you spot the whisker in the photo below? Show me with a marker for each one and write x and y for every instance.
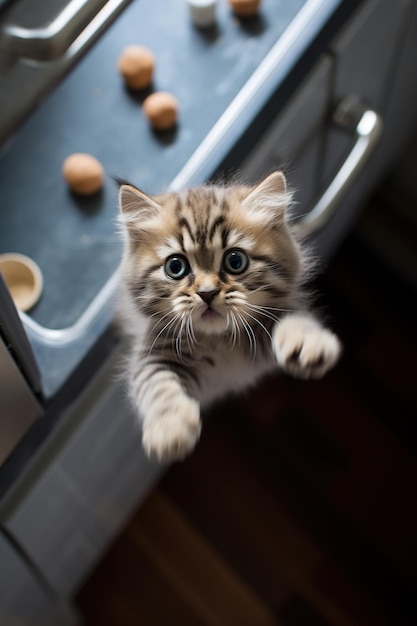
(161, 320)
(191, 325)
(250, 334)
(160, 333)
(189, 333)
(266, 286)
(179, 339)
(260, 311)
(274, 308)
(231, 320)
(260, 324)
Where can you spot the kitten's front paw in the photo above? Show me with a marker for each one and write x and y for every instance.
(172, 436)
(303, 348)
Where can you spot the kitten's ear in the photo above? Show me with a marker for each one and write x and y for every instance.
(136, 206)
(269, 199)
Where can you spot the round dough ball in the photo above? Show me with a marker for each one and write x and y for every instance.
(83, 173)
(136, 65)
(245, 8)
(161, 109)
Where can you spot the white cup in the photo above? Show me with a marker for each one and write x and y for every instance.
(203, 12)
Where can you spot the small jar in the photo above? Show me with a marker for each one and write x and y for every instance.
(203, 12)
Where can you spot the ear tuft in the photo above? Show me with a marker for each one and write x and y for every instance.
(136, 206)
(273, 184)
(269, 199)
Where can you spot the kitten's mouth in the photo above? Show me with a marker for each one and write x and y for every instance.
(210, 321)
(210, 314)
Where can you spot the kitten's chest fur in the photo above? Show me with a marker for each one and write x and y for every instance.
(224, 369)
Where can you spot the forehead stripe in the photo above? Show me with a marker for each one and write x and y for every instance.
(184, 223)
(217, 222)
(180, 239)
(225, 236)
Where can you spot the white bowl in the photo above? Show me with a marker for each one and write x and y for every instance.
(23, 279)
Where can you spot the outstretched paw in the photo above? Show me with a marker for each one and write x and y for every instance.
(303, 348)
(172, 437)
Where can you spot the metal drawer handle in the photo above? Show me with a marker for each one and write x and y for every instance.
(52, 41)
(367, 125)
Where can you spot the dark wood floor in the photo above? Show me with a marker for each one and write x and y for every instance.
(298, 506)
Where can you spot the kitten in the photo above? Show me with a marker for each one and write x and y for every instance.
(212, 300)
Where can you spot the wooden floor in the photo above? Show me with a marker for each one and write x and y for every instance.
(298, 506)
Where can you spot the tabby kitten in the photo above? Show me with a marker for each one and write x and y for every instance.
(212, 301)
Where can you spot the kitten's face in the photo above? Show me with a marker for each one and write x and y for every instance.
(211, 260)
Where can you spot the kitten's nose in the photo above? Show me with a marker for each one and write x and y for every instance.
(208, 295)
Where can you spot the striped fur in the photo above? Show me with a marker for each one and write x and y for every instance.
(212, 331)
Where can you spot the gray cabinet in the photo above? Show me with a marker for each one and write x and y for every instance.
(383, 51)
(359, 70)
(24, 599)
(83, 486)
(365, 57)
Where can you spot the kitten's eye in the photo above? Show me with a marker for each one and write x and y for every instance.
(177, 267)
(235, 261)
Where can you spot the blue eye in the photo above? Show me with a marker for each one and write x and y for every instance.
(177, 267)
(235, 261)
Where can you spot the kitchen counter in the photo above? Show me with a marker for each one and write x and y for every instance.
(222, 77)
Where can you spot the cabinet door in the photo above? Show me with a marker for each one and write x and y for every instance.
(365, 55)
(294, 143)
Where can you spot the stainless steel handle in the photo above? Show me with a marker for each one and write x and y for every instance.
(367, 125)
(52, 41)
